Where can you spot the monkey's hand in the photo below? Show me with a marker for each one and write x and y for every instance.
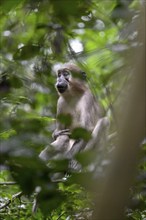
(57, 133)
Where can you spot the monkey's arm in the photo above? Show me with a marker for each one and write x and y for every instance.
(98, 139)
(99, 133)
(93, 122)
(77, 146)
(97, 136)
(60, 128)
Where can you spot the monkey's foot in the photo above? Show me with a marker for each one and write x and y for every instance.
(62, 132)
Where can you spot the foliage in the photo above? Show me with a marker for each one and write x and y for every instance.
(35, 36)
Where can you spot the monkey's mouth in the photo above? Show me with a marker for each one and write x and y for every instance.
(61, 89)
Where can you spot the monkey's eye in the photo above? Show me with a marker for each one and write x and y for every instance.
(59, 74)
(66, 74)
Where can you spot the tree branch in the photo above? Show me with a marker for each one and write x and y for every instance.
(17, 195)
(8, 183)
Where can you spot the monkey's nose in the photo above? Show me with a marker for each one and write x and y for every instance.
(61, 87)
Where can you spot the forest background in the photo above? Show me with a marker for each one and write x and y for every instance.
(106, 39)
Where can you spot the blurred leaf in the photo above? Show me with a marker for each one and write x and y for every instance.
(6, 134)
(26, 52)
(21, 125)
(65, 119)
(87, 157)
(5, 84)
(50, 199)
(16, 82)
(81, 133)
(9, 4)
(81, 179)
(71, 8)
(35, 173)
(59, 165)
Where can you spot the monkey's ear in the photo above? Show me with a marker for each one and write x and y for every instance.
(84, 75)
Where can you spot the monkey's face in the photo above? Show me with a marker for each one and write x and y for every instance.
(63, 78)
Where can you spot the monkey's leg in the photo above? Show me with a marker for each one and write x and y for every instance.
(98, 134)
(76, 147)
(57, 146)
(98, 139)
(61, 143)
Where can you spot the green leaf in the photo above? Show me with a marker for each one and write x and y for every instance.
(81, 179)
(7, 134)
(50, 199)
(16, 82)
(9, 4)
(65, 119)
(26, 52)
(81, 133)
(87, 157)
(59, 165)
(29, 172)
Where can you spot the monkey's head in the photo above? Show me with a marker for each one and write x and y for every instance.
(69, 77)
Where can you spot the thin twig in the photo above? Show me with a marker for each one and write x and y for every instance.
(60, 215)
(17, 195)
(8, 183)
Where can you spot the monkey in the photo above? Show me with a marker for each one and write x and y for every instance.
(77, 101)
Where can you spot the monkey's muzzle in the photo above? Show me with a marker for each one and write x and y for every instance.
(61, 87)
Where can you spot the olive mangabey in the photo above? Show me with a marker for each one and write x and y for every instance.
(77, 101)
